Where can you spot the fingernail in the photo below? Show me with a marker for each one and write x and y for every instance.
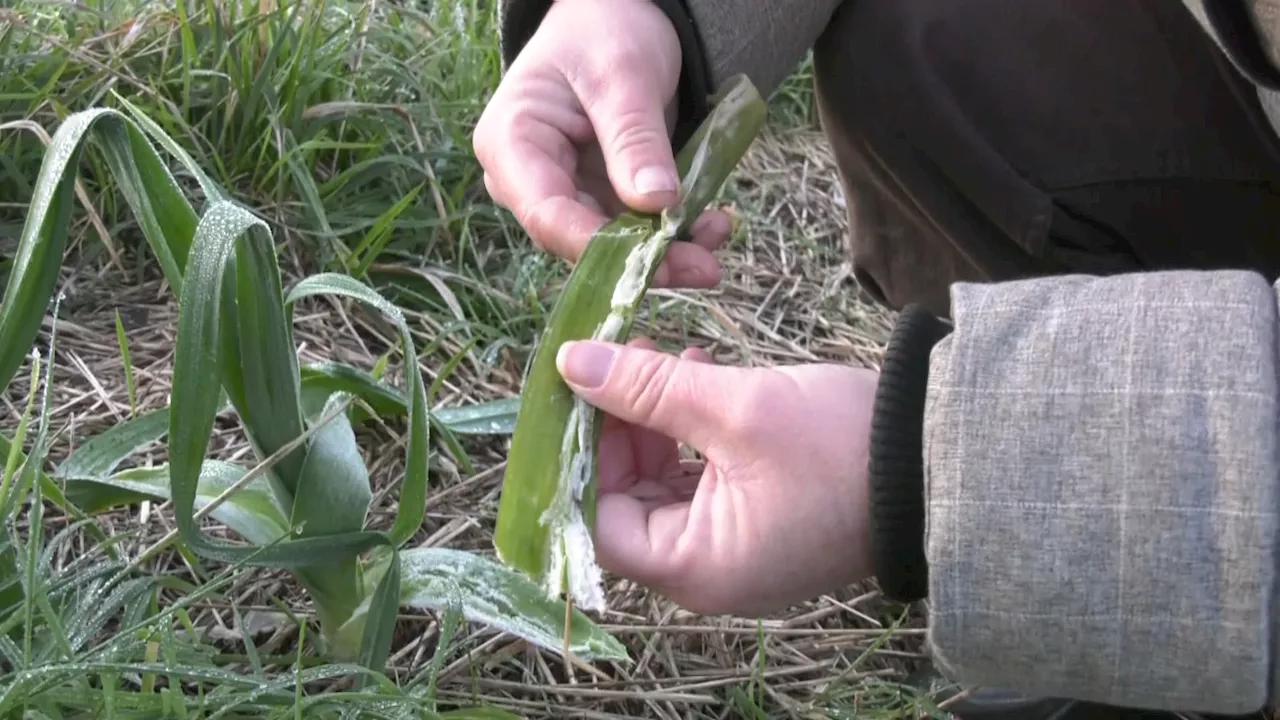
(651, 180)
(585, 364)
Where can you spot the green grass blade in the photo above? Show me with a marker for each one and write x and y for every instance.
(413, 490)
(547, 507)
(500, 597)
(126, 358)
(253, 511)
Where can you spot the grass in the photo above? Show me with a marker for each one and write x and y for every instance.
(346, 127)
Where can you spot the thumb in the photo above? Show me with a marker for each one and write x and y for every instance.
(630, 125)
(684, 399)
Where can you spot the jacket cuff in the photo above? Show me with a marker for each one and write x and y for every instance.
(895, 471)
(519, 19)
(1235, 26)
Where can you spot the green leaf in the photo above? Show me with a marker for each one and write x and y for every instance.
(319, 380)
(101, 454)
(413, 489)
(333, 490)
(382, 612)
(253, 511)
(167, 220)
(495, 417)
(198, 364)
(495, 595)
(264, 352)
(547, 508)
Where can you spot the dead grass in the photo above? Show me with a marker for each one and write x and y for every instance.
(788, 297)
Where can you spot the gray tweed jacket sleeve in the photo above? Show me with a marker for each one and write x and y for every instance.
(1103, 473)
(1102, 485)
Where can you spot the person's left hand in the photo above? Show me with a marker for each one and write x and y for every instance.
(777, 513)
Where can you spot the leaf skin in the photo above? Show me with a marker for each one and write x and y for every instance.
(532, 484)
(495, 595)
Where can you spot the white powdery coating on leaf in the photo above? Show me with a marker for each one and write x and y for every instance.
(492, 594)
(571, 548)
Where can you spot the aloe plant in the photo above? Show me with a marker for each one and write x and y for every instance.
(547, 509)
(303, 503)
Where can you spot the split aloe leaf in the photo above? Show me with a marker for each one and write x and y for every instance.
(546, 514)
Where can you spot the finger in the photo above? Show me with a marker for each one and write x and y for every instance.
(624, 539)
(697, 355)
(654, 454)
(688, 266)
(528, 170)
(686, 401)
(711, 229)
(632, 130)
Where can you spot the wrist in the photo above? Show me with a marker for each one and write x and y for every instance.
(895, 467)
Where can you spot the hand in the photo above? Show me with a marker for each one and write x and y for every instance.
(778, 513)
(578, 131)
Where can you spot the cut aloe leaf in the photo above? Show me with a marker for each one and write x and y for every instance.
(547, 509)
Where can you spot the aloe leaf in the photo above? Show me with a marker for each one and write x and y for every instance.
(333, 496)
(322, 379)
(546, 512)
(101, 454)
(495, 417)
(492, 594)
(265, 356)
(382, 611)
(252, 512)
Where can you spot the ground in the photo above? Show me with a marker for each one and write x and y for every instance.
(476, 294)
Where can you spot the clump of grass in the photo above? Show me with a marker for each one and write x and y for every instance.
(303, 505)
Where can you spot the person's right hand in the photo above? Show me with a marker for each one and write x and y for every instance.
(578, 131)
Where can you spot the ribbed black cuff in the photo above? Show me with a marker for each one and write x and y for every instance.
(695, 86)
(895, 472)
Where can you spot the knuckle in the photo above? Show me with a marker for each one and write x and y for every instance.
(648, 385)
(635, 131)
